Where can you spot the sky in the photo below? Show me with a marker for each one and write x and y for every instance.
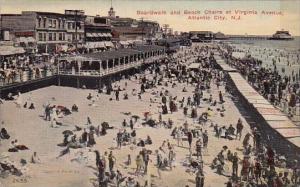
(259, 24)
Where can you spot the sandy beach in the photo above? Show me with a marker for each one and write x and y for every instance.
(30, 129)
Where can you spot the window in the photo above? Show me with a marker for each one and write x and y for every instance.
(45, 21)
(45, 36)
(59, 24)
(69, 25)
(60, 37)
(78, 25)
(54, 36)
(54, 23)
(40, 36)
(39, 22)
(50, 23)
(64, 37)
(50, 36)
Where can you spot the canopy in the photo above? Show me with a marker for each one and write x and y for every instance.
(93, 45)
(109, 55)
(124, 43)
(10, 50)
(109, 44)
(89, 35)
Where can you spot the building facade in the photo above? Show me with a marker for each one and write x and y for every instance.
(98, 35)
(49, 30)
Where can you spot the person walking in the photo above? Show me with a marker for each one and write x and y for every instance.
(119, 139)
(190, 138)
(171, 158)
(199, 178)
(139, 162)
(111, 161)
(239, 129)
(199, 149)
(235, 165)
(159, 162)
(179, 137)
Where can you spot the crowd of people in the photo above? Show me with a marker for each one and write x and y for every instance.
(21, 68)
(281, 90)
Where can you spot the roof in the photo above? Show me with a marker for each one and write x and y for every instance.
(120, 53)
(201, 32)
(43, 13)
(147, 48)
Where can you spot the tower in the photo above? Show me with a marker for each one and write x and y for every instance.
(111, 12)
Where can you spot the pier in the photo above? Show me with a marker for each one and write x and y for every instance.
(248, 37)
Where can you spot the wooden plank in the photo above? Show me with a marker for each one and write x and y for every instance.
(281, 124)
(295, 141)
(289, 132)
(275, 117)
(269, 111)
(259, 105)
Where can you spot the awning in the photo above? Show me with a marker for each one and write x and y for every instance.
(31, 40)
(123, 42)
(100, 45)
(129, 42)
(93, 45)
(10, 50)
(109, 35)
(25, 40)
(109, 44)
(89, 35)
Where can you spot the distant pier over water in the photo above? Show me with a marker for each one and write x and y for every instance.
(248, 37)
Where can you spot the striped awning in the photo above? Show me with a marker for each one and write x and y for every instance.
(109, 44)
(89, 35)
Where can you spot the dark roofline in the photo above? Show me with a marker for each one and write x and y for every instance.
(45, 13)
(95, 25)
(11, 14)
(109, 55)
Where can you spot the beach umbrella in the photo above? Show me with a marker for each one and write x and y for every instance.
(127, 113)
(151, 122)
(135, 117)
(104, 125)
(67, 132)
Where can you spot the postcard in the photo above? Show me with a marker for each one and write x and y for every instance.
(149, 93)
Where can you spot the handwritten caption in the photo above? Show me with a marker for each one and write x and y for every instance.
(219, 15)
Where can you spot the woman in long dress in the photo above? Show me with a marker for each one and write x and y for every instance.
(19, 100)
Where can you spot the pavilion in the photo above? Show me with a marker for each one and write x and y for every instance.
(109, 62)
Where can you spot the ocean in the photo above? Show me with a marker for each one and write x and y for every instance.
(291, 45)
(284, 53)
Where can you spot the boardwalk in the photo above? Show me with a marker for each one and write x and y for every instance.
(274, 123)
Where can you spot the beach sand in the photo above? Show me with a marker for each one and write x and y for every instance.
(29, 127)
